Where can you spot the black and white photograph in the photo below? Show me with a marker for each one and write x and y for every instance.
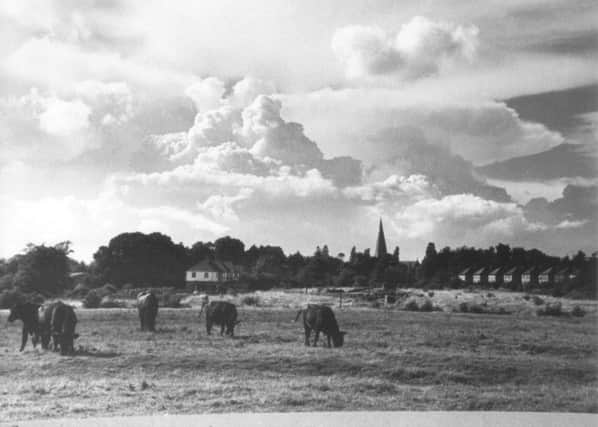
(298, 213)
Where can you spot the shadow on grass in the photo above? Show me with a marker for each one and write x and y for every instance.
(94, 352)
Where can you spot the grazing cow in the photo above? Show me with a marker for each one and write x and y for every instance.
(147, 306)
(58, 323)
(320, 318)
(27, 312)
(221, 313)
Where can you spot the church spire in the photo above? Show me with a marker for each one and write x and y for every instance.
(381, 242)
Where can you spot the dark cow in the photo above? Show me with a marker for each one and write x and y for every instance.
(28, 313)
(221, 313)
(58, 323)
(147, 306)
(320, 318)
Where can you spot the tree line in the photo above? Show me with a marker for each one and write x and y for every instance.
(154, 260)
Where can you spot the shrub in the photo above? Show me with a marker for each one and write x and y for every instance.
(411, 305)
(171, 300)
(464, 307)
(490, 295)
(431, 294)
(426, 306)
(92, 299)
(578, 311)
(526, 297)
(537, 300)
(555, 309)
(250, 300)
(476, 308)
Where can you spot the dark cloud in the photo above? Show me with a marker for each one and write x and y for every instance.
(565, 160)
(558, 110)
(408, 152)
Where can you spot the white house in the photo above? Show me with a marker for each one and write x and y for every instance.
(208, 271)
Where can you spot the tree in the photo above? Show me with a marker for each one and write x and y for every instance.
(229, 249)
(396, 253)
(200, 251)
(44, 269)
(352, 255)
(430, 262)
(142, 259)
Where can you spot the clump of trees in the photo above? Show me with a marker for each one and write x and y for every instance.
(135, 260)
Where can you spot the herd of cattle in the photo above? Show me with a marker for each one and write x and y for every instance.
(56, 322)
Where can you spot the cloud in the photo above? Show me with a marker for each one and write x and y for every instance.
(420, 48)
(64, 117)
(461, 217)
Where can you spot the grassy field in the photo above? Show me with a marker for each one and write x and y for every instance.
(392, 360)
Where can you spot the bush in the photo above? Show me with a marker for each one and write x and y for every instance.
(476, 308)
(537, 300)
(431, 294)
(411, 305)
(578, 311)
(170, 300)
(250, 300)
(92, 299)
(426, 306)
(555, 309)
(464, 307)
(526, 297)
(10, 297)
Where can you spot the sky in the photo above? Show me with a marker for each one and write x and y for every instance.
(300, 123)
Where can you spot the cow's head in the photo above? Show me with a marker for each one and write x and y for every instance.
(338, 339)
(15, 313)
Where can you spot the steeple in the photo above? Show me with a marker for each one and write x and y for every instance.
(381, 242)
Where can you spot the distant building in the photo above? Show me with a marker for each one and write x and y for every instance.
(511, 278)
(466, 275)
(529, 278)
(206, 274)
(480, 277)
(380, 242)
(546, 277)
(495, 277)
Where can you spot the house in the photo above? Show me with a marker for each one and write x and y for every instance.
(511, 278)
(529, 278)
(565, 274)
(207, 274)
(465, 275)
(546, 277)
(480, 277)
(495, 277)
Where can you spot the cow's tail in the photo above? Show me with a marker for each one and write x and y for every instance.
(298, 314)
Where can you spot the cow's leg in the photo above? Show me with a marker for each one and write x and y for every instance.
(222, 329)
(316, 338)
(328, 338)
(141, 319)
(209, 327)
(307, 333)
(24, 334)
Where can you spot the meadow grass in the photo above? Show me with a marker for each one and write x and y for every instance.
(392, 360)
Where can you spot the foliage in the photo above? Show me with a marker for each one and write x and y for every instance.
(10, 297)
(43, 269)
(578, 311)
(92, 299)
(553, 309)
(142, 259)
(250, 300)
(537, 300)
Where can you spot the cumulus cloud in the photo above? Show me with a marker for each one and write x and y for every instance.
(461, 217)
(421, 47)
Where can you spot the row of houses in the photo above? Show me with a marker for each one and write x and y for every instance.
(517, 277)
